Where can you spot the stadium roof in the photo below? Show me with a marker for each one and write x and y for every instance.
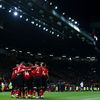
(22, 29)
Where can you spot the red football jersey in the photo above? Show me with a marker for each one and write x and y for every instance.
(26, 75)
(38, 71)
(33, 72)
(19, 69)
(44, 72)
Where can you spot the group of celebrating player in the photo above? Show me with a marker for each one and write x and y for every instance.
(29, 80)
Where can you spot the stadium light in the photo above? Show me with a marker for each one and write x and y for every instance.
(52, 32)
(15, 8)
(27, 19)
(20, 16)
(95, 37)
(69, 58)
(6, 48)
(39, 54)
(28, 52)
(20, 51)
(72, 20)
(39, 26)
(69, 18)
(44, 28)
(10, 11)
(51, 55)
(75, 22)
(32, 22)
(56, 7)
(50, 3)
(31, 54)
(15, 13)
(0, 6)
(13, 50)
(64, 56)
(57, 35)
(63, 13)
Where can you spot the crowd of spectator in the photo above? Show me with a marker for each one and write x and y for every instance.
(56, 86)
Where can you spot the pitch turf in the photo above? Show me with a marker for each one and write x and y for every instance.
(59, 96)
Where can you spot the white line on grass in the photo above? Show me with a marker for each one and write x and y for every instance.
(96, 98)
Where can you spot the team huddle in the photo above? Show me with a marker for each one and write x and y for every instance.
(29, 80)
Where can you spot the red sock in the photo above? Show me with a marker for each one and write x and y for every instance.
(41, 92)
(14, 91)
(18, 92)
(30, 92)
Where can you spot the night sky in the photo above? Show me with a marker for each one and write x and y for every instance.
(85, 11)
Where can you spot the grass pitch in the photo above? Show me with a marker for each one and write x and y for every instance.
(59, 96)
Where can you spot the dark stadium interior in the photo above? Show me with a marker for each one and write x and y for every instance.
(71, 56)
